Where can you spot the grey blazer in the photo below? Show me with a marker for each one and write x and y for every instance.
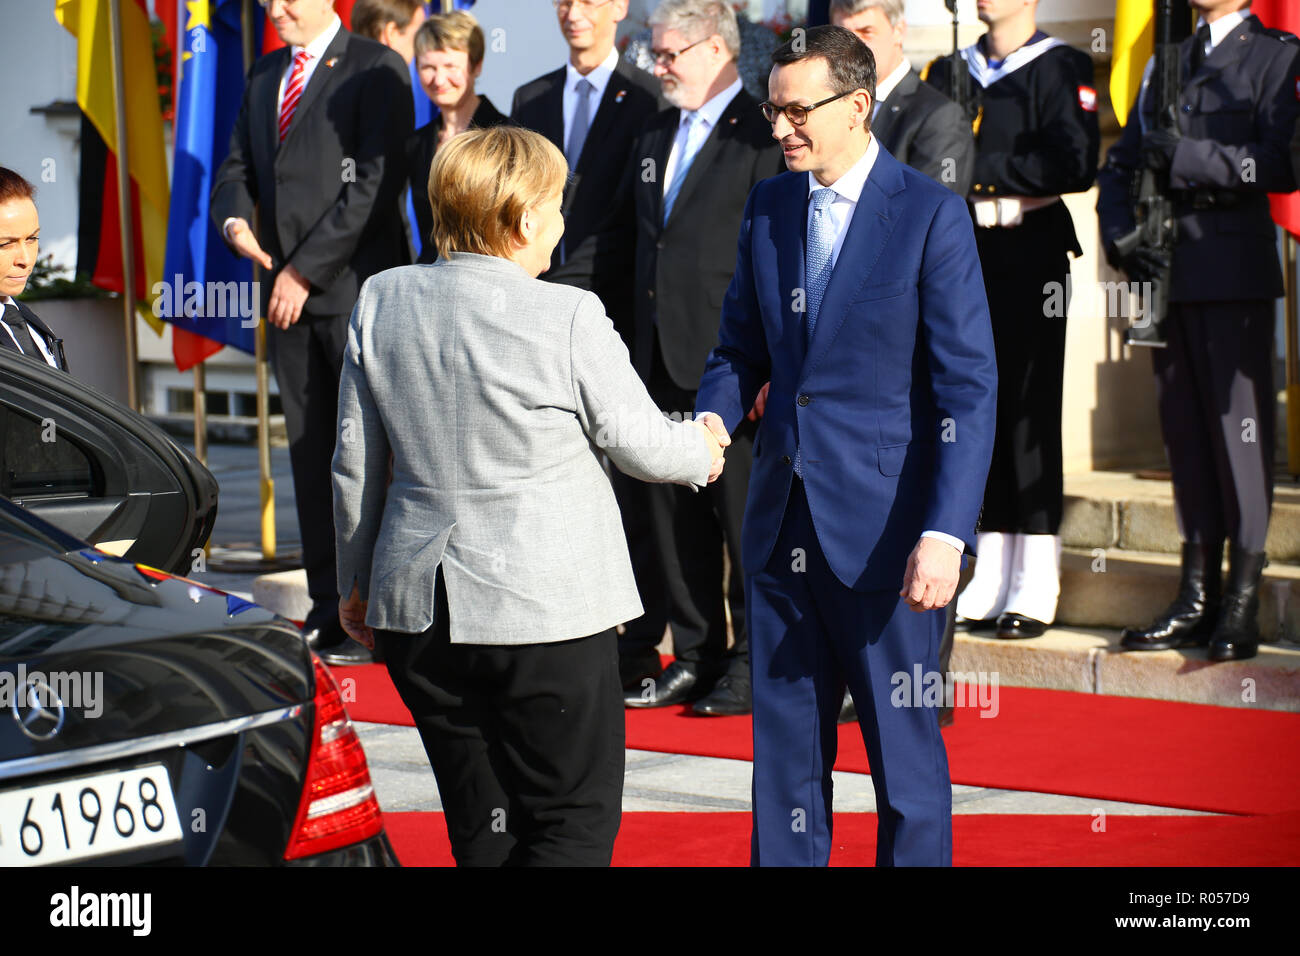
(495, 393)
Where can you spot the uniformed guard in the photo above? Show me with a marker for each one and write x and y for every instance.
(1239, 102)
(1036, 138)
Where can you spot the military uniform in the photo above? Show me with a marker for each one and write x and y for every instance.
(1237, 114)
(1036, 137)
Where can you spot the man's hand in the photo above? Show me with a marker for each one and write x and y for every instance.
(352, 615)
(245, 243)
(931, 577)
(716, 433)
(288, 296)
(760, 403)
(1158, 147)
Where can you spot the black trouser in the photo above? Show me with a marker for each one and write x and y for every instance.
(526, 741)
(1025, 488)
(691, 531)
(308, 361)
(1214, 382)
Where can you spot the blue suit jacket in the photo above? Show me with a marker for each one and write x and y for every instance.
(892, 402)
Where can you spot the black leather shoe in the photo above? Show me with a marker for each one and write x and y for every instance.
(326, 636)
(1236, 633)
(679, 684)
(1012, 626)
(349, 652)
(632, 672)
(1190, 619)
(967, 624)
(848, 711)
(731, 696)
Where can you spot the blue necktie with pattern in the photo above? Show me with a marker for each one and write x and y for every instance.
(817, 271)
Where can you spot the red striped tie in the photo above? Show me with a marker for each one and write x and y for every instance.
(293, 92)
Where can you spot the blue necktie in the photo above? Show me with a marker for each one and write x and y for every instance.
(817, 256)
(695, 129)
(817, 272)
(581, 123)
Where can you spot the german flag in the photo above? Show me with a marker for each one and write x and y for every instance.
(100, 246)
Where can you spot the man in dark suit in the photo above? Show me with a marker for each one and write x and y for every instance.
(858, 295)
(914, 121)
(592, 109)
(318, 152)
(1240, 103)
(923, 128)
(691, 171)
(20, 237)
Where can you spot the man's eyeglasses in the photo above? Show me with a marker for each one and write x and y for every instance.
(666, 57)
(796, 114)
(584, 6)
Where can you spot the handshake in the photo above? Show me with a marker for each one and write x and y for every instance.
(710, 425)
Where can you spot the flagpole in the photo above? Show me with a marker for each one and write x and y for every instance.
(124, 206)
(263, 377)
(1292, 358)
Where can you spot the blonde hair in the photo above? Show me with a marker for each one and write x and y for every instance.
(481, 182)
(457, 30)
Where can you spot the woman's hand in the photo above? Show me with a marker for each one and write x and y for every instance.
(718, 439)
(352, 616)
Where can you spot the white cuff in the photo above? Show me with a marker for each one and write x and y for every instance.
(956, 542)
(225, 227)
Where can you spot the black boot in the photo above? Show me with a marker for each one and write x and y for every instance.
(1189, 620)
(1236, 635)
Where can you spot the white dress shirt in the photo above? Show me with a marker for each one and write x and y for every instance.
(598, 78)
(709, 114)
(1221, 27)
(317, 49)
(36, 335)
(848, 190)
(888, 85)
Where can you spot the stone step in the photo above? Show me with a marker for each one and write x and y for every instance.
(1113, 588)
(1091, 661)
(1118, 510)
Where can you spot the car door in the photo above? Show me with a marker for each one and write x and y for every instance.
(99, 470)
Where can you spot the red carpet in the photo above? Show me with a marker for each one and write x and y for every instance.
(1190, 756)
(722, 839)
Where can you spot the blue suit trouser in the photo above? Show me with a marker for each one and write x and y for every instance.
(809, 636)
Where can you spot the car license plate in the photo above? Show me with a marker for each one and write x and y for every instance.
(99, 815)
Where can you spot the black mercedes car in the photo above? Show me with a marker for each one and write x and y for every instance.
(144, 717)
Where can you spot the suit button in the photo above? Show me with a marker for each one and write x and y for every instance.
(804, 399)
(650, 293)
(785, 460)
(659, 244)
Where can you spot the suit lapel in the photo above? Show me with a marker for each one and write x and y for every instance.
(864, 243)
(891, 107)
(322, 78)
(551, 107)
(661, 147)
(264, 104)
(789, 223)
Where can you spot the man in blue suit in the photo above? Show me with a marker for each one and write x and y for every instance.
(858, 295)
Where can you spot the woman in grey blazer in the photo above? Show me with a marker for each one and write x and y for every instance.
(493, 568)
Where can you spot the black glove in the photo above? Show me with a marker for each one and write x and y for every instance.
(1140, 265)
(1158, 148)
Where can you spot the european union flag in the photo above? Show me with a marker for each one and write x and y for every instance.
(207, 288)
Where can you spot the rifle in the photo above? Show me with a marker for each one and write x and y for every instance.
(1156, 232)
(959, 83)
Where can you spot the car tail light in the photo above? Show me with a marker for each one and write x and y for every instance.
(338, 805)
